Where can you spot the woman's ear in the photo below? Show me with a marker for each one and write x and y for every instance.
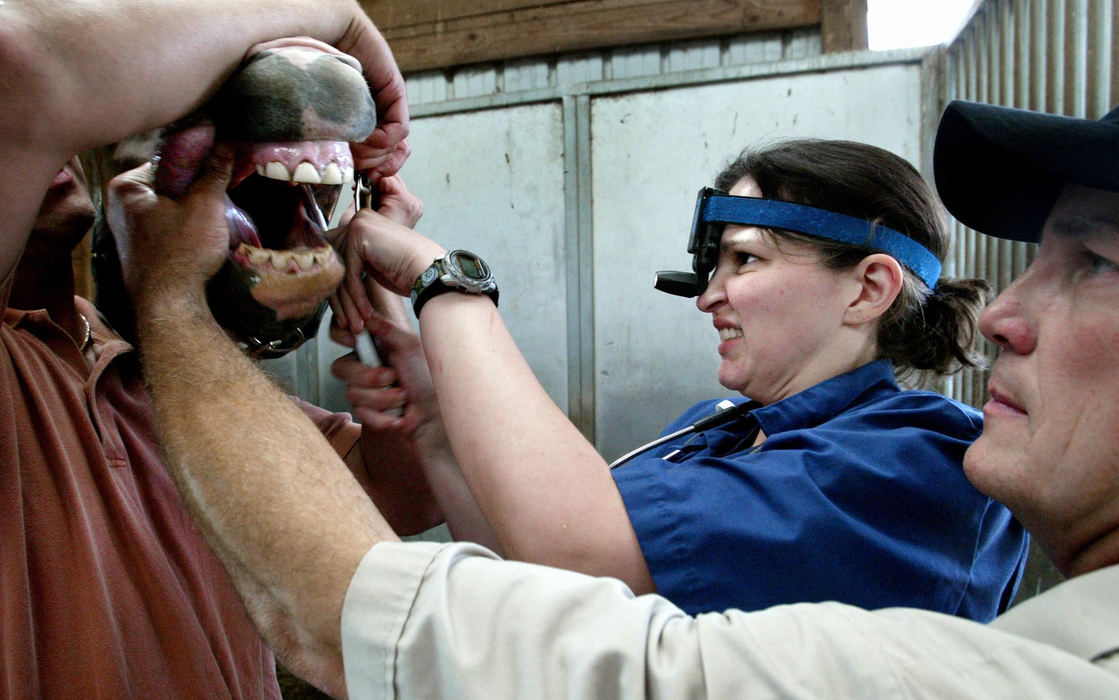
(880, 277)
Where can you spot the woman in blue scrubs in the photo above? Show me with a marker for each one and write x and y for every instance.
(822, 281)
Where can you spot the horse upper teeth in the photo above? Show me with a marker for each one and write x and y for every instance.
(276, 170)
(305, 172)
(331, 174)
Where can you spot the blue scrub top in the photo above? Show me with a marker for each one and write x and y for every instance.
(857, 495)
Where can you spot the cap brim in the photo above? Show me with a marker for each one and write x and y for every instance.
(999, 170)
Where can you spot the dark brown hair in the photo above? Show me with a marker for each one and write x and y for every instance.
(924, 329)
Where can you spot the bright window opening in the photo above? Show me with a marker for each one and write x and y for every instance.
(895, 24)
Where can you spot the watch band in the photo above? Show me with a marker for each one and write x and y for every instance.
(457, 271)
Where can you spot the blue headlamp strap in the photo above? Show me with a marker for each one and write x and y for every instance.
(771, 213)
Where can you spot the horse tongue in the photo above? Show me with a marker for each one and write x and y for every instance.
(241, 228)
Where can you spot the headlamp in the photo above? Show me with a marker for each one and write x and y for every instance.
(715, 209)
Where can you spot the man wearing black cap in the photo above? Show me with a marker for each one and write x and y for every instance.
(1049, 447)
(376, 618)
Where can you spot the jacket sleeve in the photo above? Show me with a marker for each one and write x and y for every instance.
(423, 620)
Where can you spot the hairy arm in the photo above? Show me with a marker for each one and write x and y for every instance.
(545, 491)
(281, 510)
(82, 74)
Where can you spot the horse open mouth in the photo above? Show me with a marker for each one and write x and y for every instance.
(271, 293)
(281, 199)
(291, 110)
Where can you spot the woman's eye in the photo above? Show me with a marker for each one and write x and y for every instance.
(742, 258)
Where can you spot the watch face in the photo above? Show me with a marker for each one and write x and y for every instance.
(458, 270)
(469, 268)
(470, 265)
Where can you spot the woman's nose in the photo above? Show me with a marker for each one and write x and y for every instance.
(714, 295)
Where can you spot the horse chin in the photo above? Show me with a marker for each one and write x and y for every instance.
(268, 314)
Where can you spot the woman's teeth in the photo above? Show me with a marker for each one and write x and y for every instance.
(729, 333)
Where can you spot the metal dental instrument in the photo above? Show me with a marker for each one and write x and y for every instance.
(365, 346)
(363, 192)
(311, 205)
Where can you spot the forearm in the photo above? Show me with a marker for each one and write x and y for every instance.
(233, 439)
(460, 509)
(476, 627)
(546, 493)
(544, 489)
(154, 61)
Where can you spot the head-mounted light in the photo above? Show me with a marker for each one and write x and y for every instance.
(715, 209)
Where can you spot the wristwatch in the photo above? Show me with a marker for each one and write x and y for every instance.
(457, 271)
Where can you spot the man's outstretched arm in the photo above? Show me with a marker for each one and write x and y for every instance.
(286, 517)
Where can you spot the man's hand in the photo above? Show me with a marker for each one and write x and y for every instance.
(170, 248)
(178, 52)
(384, 152)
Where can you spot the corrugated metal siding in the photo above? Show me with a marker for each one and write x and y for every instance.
(1049, 55)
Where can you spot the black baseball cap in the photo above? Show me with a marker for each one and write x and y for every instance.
(1000, 170)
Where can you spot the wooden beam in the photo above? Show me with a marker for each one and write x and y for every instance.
(444, 33)
(843, 26)
(406, 13)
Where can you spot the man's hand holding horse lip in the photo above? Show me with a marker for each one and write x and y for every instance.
(170, 248)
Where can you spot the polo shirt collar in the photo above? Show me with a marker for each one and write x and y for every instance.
(822, 402)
